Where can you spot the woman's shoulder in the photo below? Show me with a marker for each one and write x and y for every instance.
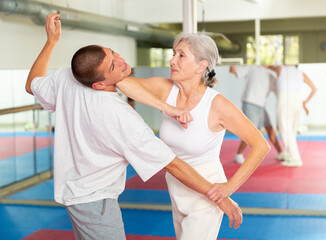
(164, 86)
(220, 103)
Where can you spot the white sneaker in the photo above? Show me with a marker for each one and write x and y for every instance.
(296, 163)
(239, 158)
(281, 156)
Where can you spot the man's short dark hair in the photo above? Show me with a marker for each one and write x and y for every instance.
(85, 62)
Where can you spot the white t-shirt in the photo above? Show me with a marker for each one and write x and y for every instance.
(259, 82)
(96, 135)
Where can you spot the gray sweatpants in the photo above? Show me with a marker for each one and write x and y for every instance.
(97, 220)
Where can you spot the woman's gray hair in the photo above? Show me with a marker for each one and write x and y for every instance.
(204, 48)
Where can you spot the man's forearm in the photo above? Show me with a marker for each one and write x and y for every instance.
(188, 176)
(40, 66)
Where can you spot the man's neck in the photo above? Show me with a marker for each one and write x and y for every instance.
(111, 88)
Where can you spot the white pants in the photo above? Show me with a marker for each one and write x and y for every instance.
(194, 216)
(288, 116)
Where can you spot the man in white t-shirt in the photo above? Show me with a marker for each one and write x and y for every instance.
(98, 135)
(259, 82)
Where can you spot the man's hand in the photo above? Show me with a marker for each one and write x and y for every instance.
(219, 191)
(53, 27)
(40, 66)
(180, 114)
(233, 69)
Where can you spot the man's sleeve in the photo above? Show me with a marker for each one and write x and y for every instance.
(242, 71)
(44, 90)
(138, 144)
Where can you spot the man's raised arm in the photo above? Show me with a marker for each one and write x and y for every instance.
(40, 66)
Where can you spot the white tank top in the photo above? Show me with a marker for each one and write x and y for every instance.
(290, 80)
(197, 144)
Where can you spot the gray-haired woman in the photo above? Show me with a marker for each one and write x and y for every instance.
(190, 86)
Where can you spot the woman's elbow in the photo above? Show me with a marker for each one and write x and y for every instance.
(261, 146)
(265, 147)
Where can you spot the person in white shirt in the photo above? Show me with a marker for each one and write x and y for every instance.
(259, 82)
(98, 135)
(289, 103)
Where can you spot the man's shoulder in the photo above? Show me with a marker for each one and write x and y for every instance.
(113, 103)
(112, 100)
(65, 71)
(65, 77)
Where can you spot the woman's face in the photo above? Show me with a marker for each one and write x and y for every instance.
(183, 63)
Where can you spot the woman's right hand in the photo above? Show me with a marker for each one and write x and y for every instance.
(182, 115)
(233, 211)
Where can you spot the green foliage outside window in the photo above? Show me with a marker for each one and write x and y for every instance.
(274, 50)
(160, 57)
(291, 50)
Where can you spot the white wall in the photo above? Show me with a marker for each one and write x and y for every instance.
(21, 40)
(317, 105)
(167, 11)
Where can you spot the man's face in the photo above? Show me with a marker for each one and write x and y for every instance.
(114, 67)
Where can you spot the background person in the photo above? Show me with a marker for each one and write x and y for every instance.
(259, 83)
(289, 103)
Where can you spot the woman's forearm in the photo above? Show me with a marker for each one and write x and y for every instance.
(135, 90)
(253, 159)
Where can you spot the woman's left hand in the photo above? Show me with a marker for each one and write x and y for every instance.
(218, 192)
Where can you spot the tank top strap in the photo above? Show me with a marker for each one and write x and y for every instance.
(206, 101)
(172, 98)
(209, 96)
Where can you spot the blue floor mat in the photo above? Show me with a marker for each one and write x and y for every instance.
(21, 221)
(44, 191)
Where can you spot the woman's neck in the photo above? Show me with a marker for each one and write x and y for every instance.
(190, 94)
(189, 89)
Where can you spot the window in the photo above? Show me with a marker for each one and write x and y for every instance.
(160, 57)
(274, 50)
(291, 50)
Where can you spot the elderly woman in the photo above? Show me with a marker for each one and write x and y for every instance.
(190, 86)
